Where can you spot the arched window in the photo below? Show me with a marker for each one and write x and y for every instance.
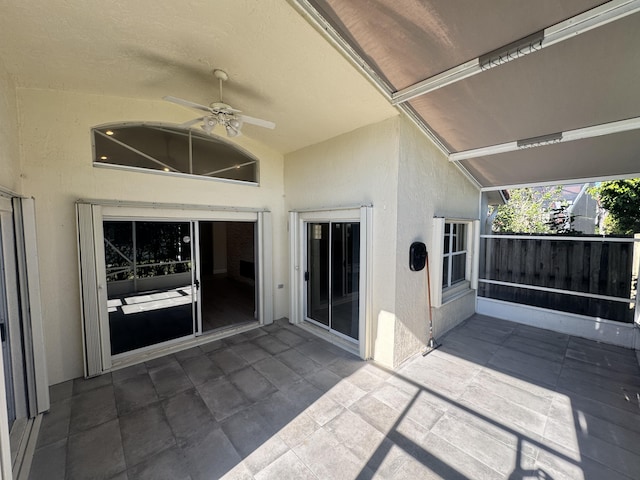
(171, 149)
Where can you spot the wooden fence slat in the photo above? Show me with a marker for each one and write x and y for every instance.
(597, 267)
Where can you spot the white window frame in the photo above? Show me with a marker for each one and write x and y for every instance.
(442, 295)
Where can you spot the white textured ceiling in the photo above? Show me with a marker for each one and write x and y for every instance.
(280, 68)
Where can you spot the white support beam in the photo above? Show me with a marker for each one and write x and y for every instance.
(569, 181)
(562, 137)
(594, 18)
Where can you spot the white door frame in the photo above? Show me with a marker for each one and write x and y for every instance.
(298, 255)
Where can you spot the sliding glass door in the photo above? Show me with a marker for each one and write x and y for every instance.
(333, 276)
(151, 288)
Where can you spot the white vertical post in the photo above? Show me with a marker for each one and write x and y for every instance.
(294, 269)
(89, 290)
(435, 262)
(265, 269)
(366, 282)
(28, 270)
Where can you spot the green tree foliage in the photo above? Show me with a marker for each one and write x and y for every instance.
(621, 198)
(527, 210)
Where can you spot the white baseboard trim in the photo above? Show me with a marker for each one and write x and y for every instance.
(625, 335)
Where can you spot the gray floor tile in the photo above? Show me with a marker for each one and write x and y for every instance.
(188, 415)
(449, 461)
(128, 372)
(160, 361)
(548, 351)
(277, 411)
(366, 442)
(340, 390)
(222, 398)
(276, 372)
(485, 448)
(134, 393)
(477, 351)
(286, 467)
(61, 391)
(92, 408)
(81, 385)
(526, 366)
(252, 384)
(556, 464)
(416, 407)
(227, 360)
(250, 352)
(49, 461)
(322, 454)
(302, 393)
(618, 397)
(145, 433)
(95, 453)
(501, 409)
(288, 337)
(166, 465)
(394, 424)
(298, 429)
(211, 456)
(188, 353)
(253, 439)
(270, 344)
(583, 444)
(55, 423)
(317, 351)
(298, 362)
(169, 379)
(201, 369)
(213, 346)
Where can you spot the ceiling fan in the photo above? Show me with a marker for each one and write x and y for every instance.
(220, 113)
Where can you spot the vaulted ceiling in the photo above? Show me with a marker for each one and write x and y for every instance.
(319, 68)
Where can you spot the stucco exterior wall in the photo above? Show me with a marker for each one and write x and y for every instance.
(428, 185)
(57, 169)
(9, 140)
(360, 167)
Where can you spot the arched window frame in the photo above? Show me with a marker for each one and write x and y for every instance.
(164, 168)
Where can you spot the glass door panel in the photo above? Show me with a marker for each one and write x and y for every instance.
(317, 274)
(150, 286)
(345, 278)
(333, 276)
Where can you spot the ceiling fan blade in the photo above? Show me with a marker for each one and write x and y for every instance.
(187, 103)
(256, 121)
(192, 122)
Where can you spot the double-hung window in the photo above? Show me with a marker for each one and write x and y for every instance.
(454, 258)
(453, 253)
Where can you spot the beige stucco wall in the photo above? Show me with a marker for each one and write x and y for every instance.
(57, 170)
(357, 168)
(428, 185)
(9, 140)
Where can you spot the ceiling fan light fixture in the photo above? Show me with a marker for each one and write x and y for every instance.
(231, 131)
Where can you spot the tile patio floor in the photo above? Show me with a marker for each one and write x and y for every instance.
(497, 400)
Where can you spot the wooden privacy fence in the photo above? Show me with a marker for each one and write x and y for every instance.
(593, 276)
